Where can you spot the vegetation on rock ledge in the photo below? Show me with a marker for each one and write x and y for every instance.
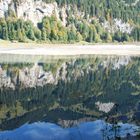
(82, 24)
(51, 30)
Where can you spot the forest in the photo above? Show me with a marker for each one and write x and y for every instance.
(88, 28)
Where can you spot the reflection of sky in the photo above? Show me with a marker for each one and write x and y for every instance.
(48, 131)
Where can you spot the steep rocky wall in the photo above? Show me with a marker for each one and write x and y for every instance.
(31, 10)
(36, 10)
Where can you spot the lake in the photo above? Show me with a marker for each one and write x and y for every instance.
(69, 98)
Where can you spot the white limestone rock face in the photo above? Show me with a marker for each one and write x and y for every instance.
(4, 4)
(29, 9)
(117, 25)
(36, 10)
(63, 15)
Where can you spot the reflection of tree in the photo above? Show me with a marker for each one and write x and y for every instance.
(112, 131)
(107, 135)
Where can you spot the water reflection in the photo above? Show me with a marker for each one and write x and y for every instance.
(84, 131)
(74, 90)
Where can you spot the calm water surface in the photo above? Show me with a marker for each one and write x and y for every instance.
(69, 98)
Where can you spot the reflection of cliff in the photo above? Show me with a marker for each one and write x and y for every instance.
(69, 88)
(32, 76)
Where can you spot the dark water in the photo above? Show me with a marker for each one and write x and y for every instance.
(63, 98)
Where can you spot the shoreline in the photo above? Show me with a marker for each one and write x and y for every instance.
(69, 49)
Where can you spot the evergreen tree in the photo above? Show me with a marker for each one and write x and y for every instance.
(31, 34)
(20, 36)
(46, 26)
(118, 36)
(79, 37)
(72, 34)
(5, 32)
(37, 33)
(43, 34)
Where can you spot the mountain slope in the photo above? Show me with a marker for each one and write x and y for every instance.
(91, 21)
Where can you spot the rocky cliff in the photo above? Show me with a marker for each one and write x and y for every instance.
(31, 10)
(36, 10)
